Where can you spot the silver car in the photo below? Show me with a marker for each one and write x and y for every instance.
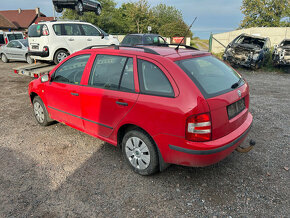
(15, 50)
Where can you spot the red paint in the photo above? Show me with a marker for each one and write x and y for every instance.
(164, 119)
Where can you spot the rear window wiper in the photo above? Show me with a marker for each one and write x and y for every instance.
(235, 85)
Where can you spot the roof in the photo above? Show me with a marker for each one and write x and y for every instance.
(39, 19)
(5, 23)
(21, 18)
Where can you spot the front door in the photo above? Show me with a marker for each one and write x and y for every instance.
(110, 94)
(62, 92)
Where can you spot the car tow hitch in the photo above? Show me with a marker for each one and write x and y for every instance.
(247, 149)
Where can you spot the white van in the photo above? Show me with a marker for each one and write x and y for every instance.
(6, 37)
(55, 40)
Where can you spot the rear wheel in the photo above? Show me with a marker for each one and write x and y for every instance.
(4, 58)
(40, 112)
(79, 8)
(60, 55)
(98, 11)
(29, 60)
(58, 9)
(140, 152)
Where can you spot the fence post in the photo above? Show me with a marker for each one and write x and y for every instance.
(210, 43)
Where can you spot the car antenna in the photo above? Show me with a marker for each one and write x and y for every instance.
(185, 34)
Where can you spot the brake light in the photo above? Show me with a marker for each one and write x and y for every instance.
(198, 128)
(15, 71)
(6, 40)
(35, 75)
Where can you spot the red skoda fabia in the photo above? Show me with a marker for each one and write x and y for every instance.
(160, 105)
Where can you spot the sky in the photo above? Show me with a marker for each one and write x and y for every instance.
(214, 16)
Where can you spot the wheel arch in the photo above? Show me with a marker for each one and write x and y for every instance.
(32, 96)
(59, 50)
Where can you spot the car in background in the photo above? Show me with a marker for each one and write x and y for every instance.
(248, 51)
(79, 5)
(55, 40)
(6, 37)
(281, 54)
(15, 50)
(161, 105)
(143, 39)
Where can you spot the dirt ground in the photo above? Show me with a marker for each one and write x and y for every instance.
(57, 171)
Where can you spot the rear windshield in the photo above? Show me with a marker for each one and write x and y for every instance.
(35, 30)
(2, 41)
(132, 40)
(211, 76)
(14, 36)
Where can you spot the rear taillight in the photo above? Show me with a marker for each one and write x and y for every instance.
(6, 40)
(15, 71)
(198, 128)
(35, 75)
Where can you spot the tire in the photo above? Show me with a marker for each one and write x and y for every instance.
(40, 112)
(79, 8)
(29, 60)
(58, 9)
(60, 55)
(140, 152)
(4, 58)
(98, 11)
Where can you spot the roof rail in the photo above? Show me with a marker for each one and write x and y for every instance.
(167, 45)
(117, 47)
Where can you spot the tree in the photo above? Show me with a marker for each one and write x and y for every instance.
(265, 13)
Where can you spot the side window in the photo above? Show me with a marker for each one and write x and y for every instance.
(2, 41)
(72, 30)
(71, 71)
(90, 30)
(113, 72)
(161, 40)
(152, 80)
(57, 29)
(11, 45)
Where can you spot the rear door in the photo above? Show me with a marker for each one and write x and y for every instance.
(62, 92)
(227, 94)
(110, 93)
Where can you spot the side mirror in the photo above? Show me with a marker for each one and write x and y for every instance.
(18, 46)
(44, 78)
(102, 36)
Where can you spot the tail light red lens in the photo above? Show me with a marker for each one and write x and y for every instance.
(6, 40)
(15, 71)
(198, 128)
(35, 75)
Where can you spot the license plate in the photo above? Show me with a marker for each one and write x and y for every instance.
(236, 108)
(35, 47)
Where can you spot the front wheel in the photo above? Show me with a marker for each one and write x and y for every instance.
(40, 112)
(140, 152)
(79, 8)
(58, 9)
(98, 11)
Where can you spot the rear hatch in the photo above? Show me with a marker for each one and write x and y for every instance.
(37, 37)
(225, 91)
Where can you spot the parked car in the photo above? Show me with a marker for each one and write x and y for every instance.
(79, 5)
(6, 37)
(161, 106)
(55, 40)
(142, 39)
(281, 54)
(15, 50)
(247, 50)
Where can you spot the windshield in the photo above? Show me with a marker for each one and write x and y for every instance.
(14, 36)
(211, 76)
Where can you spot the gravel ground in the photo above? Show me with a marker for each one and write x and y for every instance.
(57, 171)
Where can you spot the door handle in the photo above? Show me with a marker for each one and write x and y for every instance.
(122, 103)
(74, 94)
(71, 39)
(89, 39)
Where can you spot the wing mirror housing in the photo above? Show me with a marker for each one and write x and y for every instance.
(102, 35)
(45, 78)
(18, 46)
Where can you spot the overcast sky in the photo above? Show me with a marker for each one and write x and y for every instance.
(212, 15)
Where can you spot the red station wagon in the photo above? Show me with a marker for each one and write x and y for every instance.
(159, 104)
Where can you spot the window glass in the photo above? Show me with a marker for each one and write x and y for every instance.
(35, 30)
(57, 29)
(132, 40)
(17, 44)
(90, 30)
(71, 30)
(2, 41)
(211, 75)
(112, 72)
(161, 40)
(72, 70)
(152, 80)
(24, 42)
(11, 44)
(14, 36)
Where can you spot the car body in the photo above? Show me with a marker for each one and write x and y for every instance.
(182, 106)
(55, 40)
(6, 37)
(142, 39)
(248, 51)
(15, 50)
(281, 53)
(79, 5)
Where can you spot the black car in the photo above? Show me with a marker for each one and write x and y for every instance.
(79, 5)
(143, 39)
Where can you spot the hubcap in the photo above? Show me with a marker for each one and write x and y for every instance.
(39, 113)
(80, 7)
(61, 56)
(138, 153)
(99, 10)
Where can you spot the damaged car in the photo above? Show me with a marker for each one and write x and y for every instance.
(248, 51)
(281, 54)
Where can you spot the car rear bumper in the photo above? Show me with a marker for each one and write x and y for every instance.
(179, 151)
(39, 53)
